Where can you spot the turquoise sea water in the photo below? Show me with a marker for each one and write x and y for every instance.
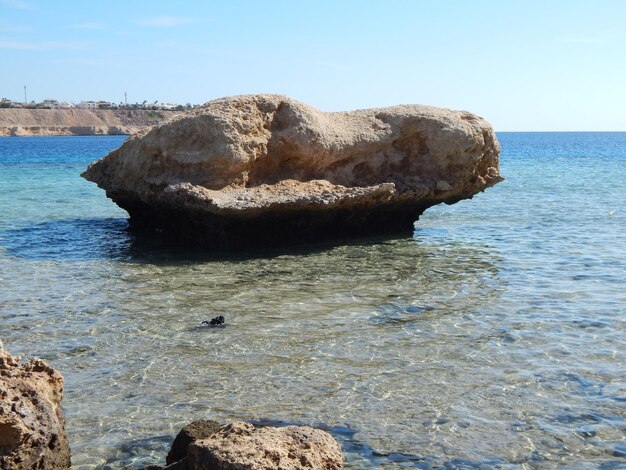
(494, 337)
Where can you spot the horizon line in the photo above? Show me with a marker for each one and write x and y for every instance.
(562, 131)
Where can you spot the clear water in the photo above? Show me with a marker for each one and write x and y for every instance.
(494, 337)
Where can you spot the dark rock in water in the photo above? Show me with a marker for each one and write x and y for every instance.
(414, 309)
(217, 321)
(586, 433)
(267, 170)
(200, 429)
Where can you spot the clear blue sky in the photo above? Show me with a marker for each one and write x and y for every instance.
(523, 65)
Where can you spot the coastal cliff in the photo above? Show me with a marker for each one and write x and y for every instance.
(42, 122)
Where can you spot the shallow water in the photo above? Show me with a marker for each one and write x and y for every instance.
(494, 337)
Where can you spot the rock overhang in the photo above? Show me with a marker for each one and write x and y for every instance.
(234, 168)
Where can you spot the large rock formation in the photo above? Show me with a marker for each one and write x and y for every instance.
(242, 446)
(264, 169)
(32, 432)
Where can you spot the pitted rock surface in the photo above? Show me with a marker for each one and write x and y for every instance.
(242, 446)
(32, 428)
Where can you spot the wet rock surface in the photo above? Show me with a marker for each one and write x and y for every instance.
(32, 427)
(266, 169)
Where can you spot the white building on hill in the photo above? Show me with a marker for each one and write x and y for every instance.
(88, 105)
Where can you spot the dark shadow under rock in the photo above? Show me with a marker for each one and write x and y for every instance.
(199, 429)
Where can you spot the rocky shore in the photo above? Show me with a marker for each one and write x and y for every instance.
(33, 436)
(269, 170)
(49, 122)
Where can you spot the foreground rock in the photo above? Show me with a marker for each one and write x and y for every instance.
(32, 431)
(243, 446)
(202, 445)
(266, 169)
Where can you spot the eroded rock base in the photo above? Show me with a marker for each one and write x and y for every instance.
(304, 227)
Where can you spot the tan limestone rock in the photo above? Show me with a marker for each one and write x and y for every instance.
(267, 168)
(32, 428)
(242, 446)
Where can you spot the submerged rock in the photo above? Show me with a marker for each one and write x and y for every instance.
(266, 169)
(243, 446)
(32, 427)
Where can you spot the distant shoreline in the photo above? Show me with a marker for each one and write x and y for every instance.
(4, 136)
(64, 132)
(15, 122)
